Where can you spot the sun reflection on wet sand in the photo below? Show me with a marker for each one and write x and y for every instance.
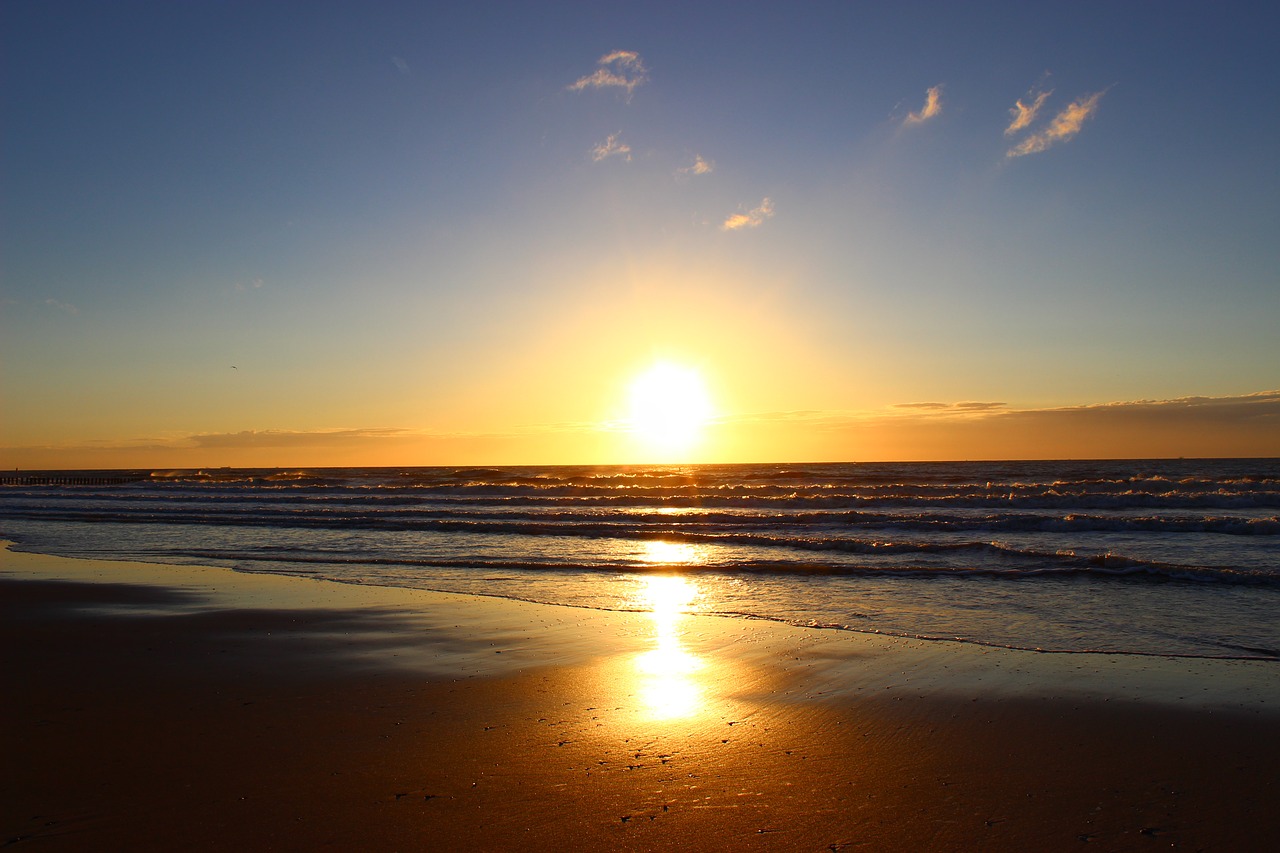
(668, 684)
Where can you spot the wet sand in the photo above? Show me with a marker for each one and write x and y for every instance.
(158, 708)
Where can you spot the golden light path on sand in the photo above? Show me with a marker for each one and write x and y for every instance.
(668, 673)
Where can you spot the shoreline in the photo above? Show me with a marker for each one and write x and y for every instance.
(155, 706)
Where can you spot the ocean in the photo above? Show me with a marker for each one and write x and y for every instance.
(1159, 557)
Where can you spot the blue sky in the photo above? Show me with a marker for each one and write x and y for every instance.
(412, 220)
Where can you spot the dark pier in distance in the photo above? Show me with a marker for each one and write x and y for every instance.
(69, 478)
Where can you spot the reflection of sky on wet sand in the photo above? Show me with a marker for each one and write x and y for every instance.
(667, 673)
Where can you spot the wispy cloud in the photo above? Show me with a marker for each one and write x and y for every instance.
(1065, 125)
(932, 107)
(621, 69)
(64, 307)
(699, 167)
(1024, 113)
(1262, 404)
(274, 438)
(1244, 425)
(611, 147)
(751, 219)
(400, 64)
(965, 407)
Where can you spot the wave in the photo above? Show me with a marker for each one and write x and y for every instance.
(1101, 566)
(1102, 474)
(741, 497)
(950, 517)
(1166, 555)
(910, 480)
(409, 515)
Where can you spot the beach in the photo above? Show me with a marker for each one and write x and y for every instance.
(639, 427)
(154, 707)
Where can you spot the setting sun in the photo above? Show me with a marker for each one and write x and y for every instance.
(669, 407)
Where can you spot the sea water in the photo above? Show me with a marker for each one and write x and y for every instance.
(1141, 557)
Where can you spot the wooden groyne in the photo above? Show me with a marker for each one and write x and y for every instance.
(69, 479)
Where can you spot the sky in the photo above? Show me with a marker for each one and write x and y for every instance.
(286, 234)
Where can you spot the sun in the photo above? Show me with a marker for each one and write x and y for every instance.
(669, 408)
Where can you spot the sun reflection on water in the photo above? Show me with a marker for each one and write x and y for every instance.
(658, 552)
(668, 683)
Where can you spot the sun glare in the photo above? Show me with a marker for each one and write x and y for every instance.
(669, 684)
(669, 407)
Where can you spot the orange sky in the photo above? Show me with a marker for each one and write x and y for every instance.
(430, 234)
(1247, 426)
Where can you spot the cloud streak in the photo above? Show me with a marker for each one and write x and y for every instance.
(611, 147)
(1260, 404)
(1064, 126)
(1246, 425)
(965, 407)
(64, 307)
(621, 69)
(1023, 114)
(273, 438)
(932, 107)
(753, 218)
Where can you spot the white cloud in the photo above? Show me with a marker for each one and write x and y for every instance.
(611, 147)
(400, 64)
(751, 219)
(932, 107)
(622, 69)
(699, 167)
(1065, 125)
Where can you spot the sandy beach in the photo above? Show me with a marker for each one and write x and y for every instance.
(155, 708)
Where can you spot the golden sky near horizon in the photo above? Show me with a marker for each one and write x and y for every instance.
(401, 236)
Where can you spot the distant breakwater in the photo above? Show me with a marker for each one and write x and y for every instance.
(18, 479)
